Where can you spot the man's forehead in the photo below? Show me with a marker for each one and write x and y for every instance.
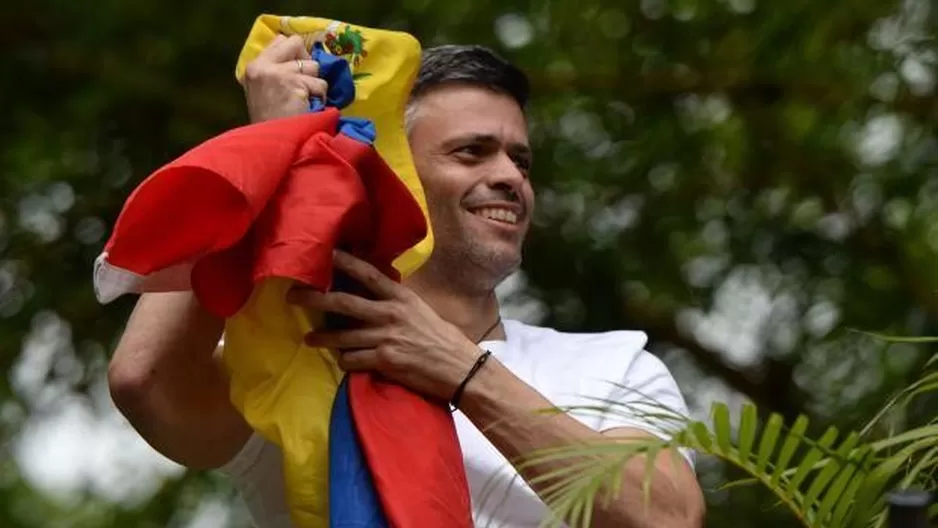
(473, 112)
(471, 100)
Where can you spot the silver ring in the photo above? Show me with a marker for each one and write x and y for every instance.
(299, 65)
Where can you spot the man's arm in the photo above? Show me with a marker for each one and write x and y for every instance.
(407, 342)
(506, 410)
(165, 378)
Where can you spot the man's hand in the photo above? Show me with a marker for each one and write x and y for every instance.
(401, 337)
(281, 80)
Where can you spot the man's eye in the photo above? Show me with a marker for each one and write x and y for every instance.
(470, 150)
(522, 163)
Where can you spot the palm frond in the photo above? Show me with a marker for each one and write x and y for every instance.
(838, 480)
(900, 339)
(928, 383)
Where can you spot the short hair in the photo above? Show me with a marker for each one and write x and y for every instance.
(473, 65)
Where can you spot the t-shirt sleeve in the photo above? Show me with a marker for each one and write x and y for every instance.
(648, 398)
(257, 473)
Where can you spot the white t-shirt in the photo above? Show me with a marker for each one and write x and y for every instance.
(567, 369)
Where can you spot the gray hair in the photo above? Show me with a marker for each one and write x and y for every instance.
(474, 65)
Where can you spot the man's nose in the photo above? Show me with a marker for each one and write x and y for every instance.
(509, 173)
(507, 179)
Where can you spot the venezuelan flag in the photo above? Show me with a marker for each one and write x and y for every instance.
(246, 215)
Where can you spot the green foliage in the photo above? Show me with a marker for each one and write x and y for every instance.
(835, 480)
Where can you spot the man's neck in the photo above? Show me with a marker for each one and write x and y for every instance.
(473, 313)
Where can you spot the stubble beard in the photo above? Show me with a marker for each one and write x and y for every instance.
(460, 262)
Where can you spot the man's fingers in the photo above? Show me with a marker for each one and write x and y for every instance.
(289, 48)
(340, 303)
(305, 72)
(315, 87)
(278, 39)
(272, 49)
(368, 275)
(345, 340)
(307, 67)
(358, 360)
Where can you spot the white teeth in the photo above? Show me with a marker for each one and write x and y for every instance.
(501, 215)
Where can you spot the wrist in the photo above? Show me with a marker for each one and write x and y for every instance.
(482, 392)
(479, 359)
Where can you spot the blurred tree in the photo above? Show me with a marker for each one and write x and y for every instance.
(745, 181)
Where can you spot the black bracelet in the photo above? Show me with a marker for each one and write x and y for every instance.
(454, 402)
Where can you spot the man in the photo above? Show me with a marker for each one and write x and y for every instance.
(467, 130)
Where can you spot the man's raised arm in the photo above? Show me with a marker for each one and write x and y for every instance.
(166, 379)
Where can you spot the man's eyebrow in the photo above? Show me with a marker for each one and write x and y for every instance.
(465, 139)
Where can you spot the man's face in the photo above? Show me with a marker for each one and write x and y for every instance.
(471, 150)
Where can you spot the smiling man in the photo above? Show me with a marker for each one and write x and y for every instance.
(440, 333)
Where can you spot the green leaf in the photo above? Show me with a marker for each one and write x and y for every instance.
(919, 433)
(869, 496)
(928, 463)
(836, 493)
(701, 434)
(646, 483)
(900, 339)
(932, 362)
(847, 498)
(794, 439)
(747, 432)
(768, 441)
(925, 384)
(832, 469)
(588, 473)
(722, 428)
(814, 455)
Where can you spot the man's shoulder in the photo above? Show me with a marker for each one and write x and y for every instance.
(620, 340)
(599, 355)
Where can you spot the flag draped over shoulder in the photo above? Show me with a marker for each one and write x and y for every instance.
(246, 215)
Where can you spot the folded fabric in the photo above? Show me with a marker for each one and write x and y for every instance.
(248, 214)
(413, 453)
(384, 65)
(205, 211)
(353, 499)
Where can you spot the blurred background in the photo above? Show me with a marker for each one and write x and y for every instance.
(749, 182)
